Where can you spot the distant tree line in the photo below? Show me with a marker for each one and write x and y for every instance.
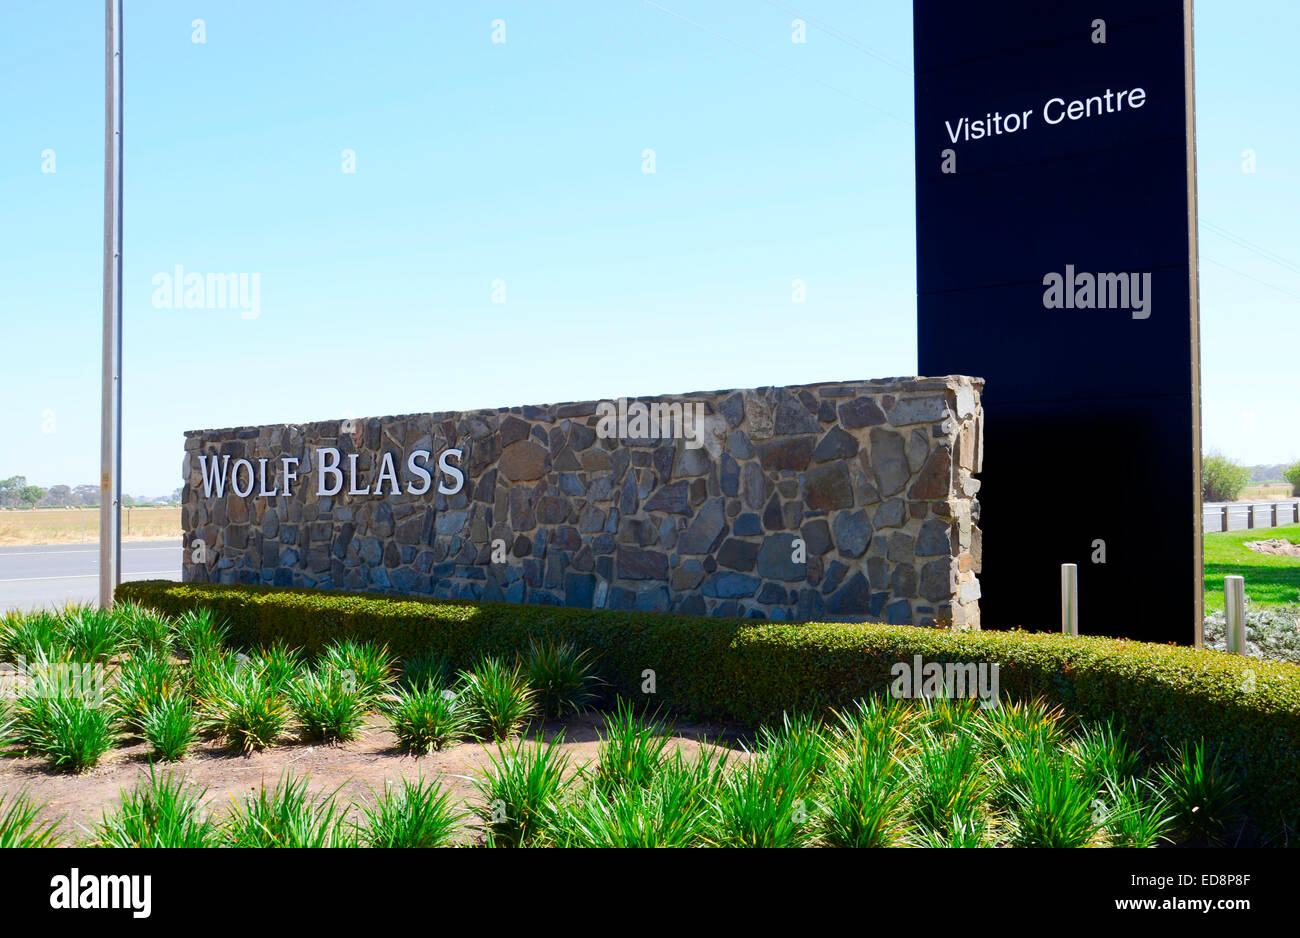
(15, 492)
(1222, 479)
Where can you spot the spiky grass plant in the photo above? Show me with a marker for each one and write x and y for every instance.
(946, 779)
(143, 681)
(92, 634)
(631, 749)
(197, 631)
(145, 629)
(522, 790)
(288, 816)
(1101, 752)
(208, 669)
(499, 698)
(427, 717)
(369, 665)
(799, 742)
(32, 636)
(170, 726)
(76, 732)
(562, 676)
(1033, 724)
(665, 813)
(162, 811)
(961, 832)
(426, 668)
(417, 813)
(765, 803)
(945, 715)
(871, 721)
(247, 710)
(278, 665)
(1204, 797)
(21, 824)
(328, 706)
(1052, 806)
(1137, 813)
(864, 793)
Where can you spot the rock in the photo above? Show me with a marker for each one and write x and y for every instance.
(853, 598)
(700, 536)
(861, 412)
(636, 564)
(888, 461)
(933, 539)
(816, 536)
(913, 409)
(935, 479)
(523, 461)
(852, 533)
(774, 559)
(836, 444)
(673, 498)
(731, 586)
(737, 555)
(828, 487)
(790, 453)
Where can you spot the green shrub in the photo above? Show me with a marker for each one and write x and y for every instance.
(426, 717)
(162, 812)
(288, 816)
(562, 676)
(76, 733)
(1292, 475)
(1222, 479)
(197, 630)
(170, 727)
(369, 665)
(329, 707)
(946, 779)
(865, 790)
(764, 803)
(410, 814)
(522, 790)
(21, 826)
(144, 628)
(751, 672)
(499, 699)
(277, 665)
(30, 636)
(429, 668)
(247, 709)
(92, 634)
(631, 749)
(1203, 795)
(144, 680)
(1052, 806)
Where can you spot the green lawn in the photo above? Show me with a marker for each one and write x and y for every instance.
(1270, 581)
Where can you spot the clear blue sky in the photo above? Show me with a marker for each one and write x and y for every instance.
(522, 161)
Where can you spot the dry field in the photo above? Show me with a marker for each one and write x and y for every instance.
(78, 525)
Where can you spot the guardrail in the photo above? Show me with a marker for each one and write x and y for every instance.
(1240, 516)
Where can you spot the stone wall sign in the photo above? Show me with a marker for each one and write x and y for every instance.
(853, 500)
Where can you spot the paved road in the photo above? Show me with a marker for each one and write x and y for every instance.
(52, 575)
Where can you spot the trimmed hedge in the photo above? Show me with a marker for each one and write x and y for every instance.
(751, 671)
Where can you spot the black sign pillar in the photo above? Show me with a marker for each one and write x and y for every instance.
(1056, 259)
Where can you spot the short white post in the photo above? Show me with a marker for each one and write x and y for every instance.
(1234, 607)
(1070, 598)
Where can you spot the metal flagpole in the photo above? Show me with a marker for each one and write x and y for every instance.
(110, 448)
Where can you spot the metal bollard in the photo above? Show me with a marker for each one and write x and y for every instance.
(1234, 606)
(1070, 598)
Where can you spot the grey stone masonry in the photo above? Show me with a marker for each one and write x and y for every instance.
(853, 500)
